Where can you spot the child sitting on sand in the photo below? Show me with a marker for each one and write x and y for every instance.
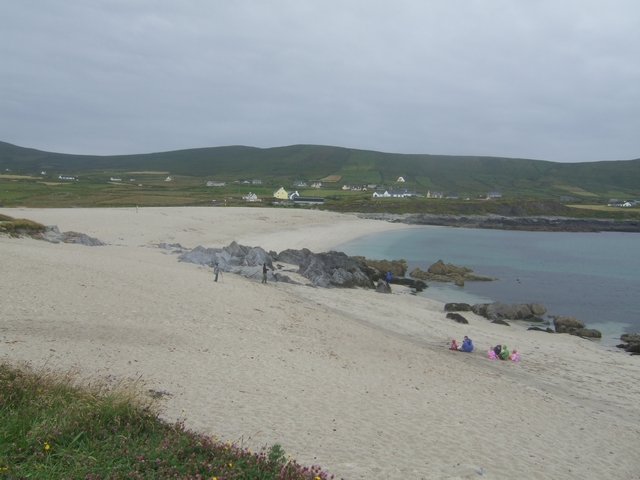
(515, 356)
(504, 353)
(454, 345)
(491, 353)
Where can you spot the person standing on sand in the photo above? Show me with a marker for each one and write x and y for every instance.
(388, 277)
(216, 270)
(264, 272)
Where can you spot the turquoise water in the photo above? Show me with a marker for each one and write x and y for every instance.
(592, 276)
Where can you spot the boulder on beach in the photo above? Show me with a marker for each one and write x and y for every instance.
(383, 287)
(574, 326)
(588, 333)
(457, 317)
(480, 309)
(630, 337)
(632, 344)
(567, 324)
(500, 311)
(294, 257)
(457, 307)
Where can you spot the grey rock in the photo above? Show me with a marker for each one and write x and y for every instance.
(500, 322)
(257, 256)
(236, 250)
(457, 317)
(630, 337)
(588, 333)
(294, 257)
(537, 309)
(383, 287)
(566, 324)
(457, 307)
(548, 330)
(500, 311)
(480, 309)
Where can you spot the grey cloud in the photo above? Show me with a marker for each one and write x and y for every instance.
(548, 80)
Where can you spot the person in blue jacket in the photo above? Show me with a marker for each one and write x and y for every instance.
(467, 345)
(387, 277)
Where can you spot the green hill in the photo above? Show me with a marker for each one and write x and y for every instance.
(466, 176)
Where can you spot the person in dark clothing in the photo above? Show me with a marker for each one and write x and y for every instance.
(216, 270)
(467, 345)
(497, 349)
(264, 273)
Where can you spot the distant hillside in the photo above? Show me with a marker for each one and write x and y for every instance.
(463, 175)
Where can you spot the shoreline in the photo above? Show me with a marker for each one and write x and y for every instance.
(500, 222)
(358, 382)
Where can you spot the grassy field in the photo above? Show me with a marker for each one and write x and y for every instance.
(53, 425)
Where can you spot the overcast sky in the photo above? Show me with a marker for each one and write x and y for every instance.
(551, 80)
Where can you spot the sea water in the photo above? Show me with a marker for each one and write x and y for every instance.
(592, 276)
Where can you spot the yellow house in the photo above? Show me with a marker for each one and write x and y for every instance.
(281, 193)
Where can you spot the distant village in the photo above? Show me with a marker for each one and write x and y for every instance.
(292, 196)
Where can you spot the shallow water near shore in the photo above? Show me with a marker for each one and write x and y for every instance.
(592, 276)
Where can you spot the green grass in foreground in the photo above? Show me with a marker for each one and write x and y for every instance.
(51, 427)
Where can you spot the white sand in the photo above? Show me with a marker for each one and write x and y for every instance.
(358, 382)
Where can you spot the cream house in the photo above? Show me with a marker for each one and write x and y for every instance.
(281, 193)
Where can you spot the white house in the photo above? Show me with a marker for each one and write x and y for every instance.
(494, 194)
(384, 194)
(293, 194)
(256, 181)
(404, 192)
(168, 179)
(251, 197)
(66, 177)
(116, 179)
(316, 184)
(434, 194)
(400, 180)
(214, 183)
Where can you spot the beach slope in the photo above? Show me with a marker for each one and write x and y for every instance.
(358, 382)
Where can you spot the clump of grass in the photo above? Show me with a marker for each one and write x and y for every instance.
(53, 426)
(19, 226)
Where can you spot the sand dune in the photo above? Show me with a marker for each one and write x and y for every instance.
(358, 382)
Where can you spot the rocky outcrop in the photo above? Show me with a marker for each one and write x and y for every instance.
(532, 223)
(52, 234)
(334, 269)
(567, 324)
(447, 272)
(632, 343)
(517, 311)
(82, 239)
(398, 268)
(574, 326)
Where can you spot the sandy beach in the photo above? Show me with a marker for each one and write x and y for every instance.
(358, 382)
